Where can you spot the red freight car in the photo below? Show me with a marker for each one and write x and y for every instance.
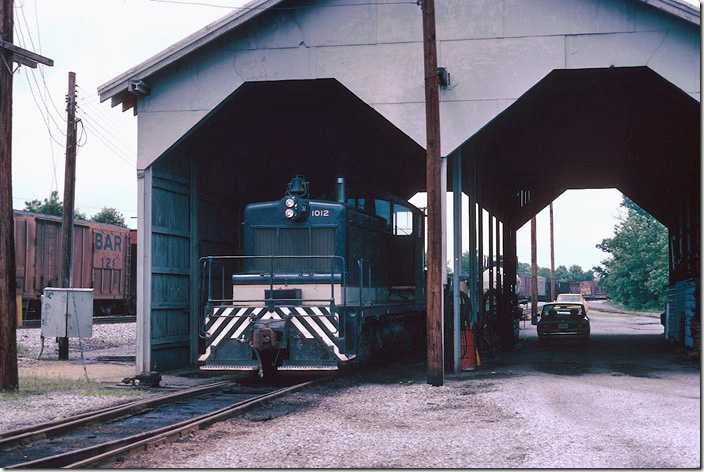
(101, 260)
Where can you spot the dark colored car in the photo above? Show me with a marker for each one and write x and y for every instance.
(564, 320)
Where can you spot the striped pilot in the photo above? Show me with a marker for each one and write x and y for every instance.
(323, 283)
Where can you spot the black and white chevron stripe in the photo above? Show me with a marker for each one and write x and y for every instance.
(311, 321)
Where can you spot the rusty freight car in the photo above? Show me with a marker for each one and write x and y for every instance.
(101, 260)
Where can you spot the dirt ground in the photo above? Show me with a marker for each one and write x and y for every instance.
(51, 389)
(626, 400)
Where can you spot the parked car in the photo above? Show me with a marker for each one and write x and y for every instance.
(563, 320)
(573, 298)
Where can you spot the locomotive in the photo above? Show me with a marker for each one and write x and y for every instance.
(321, 284)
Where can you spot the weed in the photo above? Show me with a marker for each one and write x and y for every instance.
(22, 350)
(35, 385)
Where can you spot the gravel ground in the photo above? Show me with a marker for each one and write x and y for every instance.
(52, 389)
(626, 400)
(119, 337)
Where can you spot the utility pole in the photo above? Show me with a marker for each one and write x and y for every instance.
(553, 296)
(9, 54)
(533, 271)
(69, 194)
(434, 283)
(8, 303)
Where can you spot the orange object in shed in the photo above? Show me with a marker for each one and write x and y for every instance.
(468, 350)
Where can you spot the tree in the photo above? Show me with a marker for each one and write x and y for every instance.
(52, 206)
(576, 274)
(110, 216)
(523, 268)
(562, 274)
(636, 271)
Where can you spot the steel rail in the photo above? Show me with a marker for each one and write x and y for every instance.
(94, 454)
(24, 436)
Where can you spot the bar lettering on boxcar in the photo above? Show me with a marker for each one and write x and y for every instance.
(107, 250)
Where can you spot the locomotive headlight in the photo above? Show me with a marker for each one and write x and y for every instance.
(290, 202)
(289, 212)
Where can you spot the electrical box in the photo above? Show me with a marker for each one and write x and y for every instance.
(67, 312)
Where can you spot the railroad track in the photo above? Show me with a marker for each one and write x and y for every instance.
(92, 438)
(96, 320)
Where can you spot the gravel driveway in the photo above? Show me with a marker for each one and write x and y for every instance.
(626, 400)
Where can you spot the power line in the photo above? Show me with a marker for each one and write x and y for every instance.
(121, 155)
(26, 199)
(114, 123)
(41, 69)
(213, 5)
(46, 122)
(23, 43)
(41, 72)
(117, 140)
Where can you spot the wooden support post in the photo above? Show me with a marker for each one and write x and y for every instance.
(69, 195)
(553, 296)
(473, 245)
(490, 228)
(498, 255)
(435, 374)
(508, 284)
(8, 303)
(457, 250)
(480, 256)
(533, 271)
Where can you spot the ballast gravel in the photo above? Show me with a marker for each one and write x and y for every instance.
(52, 389)
(625, 401)
(120, 337)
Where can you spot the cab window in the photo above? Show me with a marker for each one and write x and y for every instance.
(403, 221)
(383, 209)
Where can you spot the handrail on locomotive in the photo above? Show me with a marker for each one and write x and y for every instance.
(206, 266)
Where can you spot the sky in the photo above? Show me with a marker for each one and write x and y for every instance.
(99, 40)
(582, 219)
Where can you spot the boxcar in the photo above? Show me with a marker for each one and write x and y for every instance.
(543, 293)
(101, 260)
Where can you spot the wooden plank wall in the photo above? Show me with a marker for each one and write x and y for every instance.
(171, 253)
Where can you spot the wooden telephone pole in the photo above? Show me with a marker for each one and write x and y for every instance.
(69, 195)
(533, 270)
(9, 54)
(8, 307)
(435, 263)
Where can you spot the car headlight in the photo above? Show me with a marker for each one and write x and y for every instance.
(290, 202)
(289, 213)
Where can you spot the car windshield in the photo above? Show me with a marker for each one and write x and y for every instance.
(563, 310)
(570, 298)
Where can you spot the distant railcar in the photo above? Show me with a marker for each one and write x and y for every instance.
(526, 287)
(323, 283)
(101, 260)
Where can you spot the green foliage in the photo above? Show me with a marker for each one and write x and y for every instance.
(576, 274)
(52, 206)
(523, 268)
(110, 216)
(562, 274)
(636, 271)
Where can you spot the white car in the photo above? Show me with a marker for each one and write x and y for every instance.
(573, 298)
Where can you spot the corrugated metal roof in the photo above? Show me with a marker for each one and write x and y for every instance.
(117, 88)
